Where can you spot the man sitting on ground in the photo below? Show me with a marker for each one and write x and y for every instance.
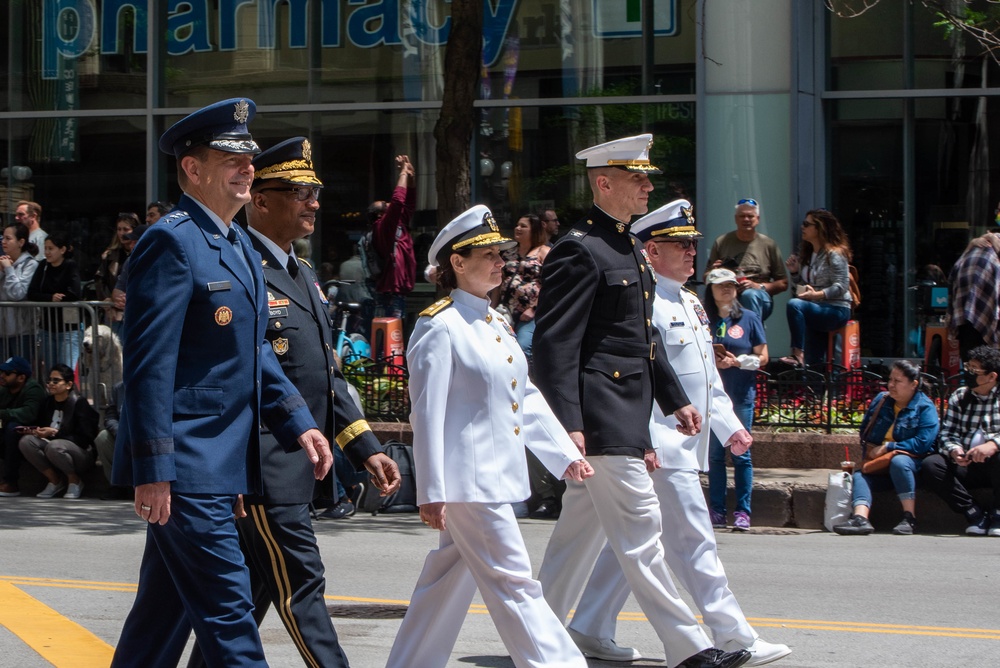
(970, 433)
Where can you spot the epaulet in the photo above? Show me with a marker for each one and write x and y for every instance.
(436, 307)
(580, 230)
(689, 290)
(306, 263)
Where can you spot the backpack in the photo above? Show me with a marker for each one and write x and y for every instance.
(403, 500)
(371, 264)
(853, 286)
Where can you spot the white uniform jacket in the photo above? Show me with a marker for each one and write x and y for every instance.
(687, 342)
(473, 409)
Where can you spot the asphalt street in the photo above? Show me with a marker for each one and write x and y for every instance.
(68, 571)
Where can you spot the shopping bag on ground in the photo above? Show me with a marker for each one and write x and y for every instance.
(837, 509)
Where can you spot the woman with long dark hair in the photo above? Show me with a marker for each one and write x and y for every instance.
(58, 280)
(820, 278)
(17, 267)
(522, 277)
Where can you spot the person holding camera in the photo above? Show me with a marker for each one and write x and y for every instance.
(755, 259)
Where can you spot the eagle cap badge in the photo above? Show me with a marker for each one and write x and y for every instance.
(241, 112)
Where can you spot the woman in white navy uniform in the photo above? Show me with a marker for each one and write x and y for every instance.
(473, 410)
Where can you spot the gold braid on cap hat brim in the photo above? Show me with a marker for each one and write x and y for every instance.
(676, 231)
(488, 239)
(292, 169)
(638, 165)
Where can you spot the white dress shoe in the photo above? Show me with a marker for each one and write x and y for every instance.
(762, 652)
(603, 648)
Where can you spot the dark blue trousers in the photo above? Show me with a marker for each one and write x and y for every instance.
(192, 577)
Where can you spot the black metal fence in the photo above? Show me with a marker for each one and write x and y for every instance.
(830, 399)
(383, 387)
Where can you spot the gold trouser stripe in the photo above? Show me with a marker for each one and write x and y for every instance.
(351, 432)
(279, 572)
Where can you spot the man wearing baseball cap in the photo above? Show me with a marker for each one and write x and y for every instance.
(21, 399)
(200, 379)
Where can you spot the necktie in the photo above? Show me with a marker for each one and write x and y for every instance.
(234, 239)
(300, 280)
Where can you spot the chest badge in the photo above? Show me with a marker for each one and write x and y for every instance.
(280, 346)
(223, 316)
(700, 310)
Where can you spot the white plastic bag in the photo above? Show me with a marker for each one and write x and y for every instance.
(837, 509)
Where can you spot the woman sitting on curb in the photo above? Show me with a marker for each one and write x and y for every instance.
(907, 423)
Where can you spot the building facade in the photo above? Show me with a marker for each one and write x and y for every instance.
(882, 118)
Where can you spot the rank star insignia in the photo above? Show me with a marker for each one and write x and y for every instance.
(223, 316)
(280, 346)
(307, 150)
(241, 112)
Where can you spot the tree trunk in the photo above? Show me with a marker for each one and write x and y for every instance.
(453, 131)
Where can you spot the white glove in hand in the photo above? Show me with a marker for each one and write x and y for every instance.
(749, 362)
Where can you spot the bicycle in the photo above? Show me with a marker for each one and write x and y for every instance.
(351, 347)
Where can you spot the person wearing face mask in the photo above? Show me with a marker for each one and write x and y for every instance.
(970, 434)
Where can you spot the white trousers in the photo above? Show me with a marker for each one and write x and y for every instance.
(621, 498)
(482, 547)
(692, 555)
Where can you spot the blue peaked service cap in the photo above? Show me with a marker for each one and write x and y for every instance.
(222, 126)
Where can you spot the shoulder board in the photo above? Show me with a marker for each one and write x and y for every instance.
(579, 231)
(689, 290)
(305, 262)
(436, 307)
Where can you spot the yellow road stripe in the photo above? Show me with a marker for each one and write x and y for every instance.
(58, 640)
(480, 609)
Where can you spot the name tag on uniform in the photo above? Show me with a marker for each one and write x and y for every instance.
(678, 324)
(278, 313)
(215, 286)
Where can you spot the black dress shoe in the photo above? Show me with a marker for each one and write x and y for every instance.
(547, 510)
(716, 658)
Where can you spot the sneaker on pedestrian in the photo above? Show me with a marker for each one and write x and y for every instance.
(741, 521)
(51, 490)
(718, 519)
(761, 651)
(74, 490)
(906, 525)
(7, 489)
(338, 512)
(856, 526)
(994, 525)
(602, 648)
(978, 526)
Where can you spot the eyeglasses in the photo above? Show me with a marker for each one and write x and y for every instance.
(751, 202)
(977, 372)
(301, 194)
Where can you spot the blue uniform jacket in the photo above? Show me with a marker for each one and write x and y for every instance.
(916, 426)
(199, 376)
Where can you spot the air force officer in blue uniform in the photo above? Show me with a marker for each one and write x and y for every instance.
(199, 381)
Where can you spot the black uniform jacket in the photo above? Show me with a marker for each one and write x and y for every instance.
(595, 347)
(301, 336)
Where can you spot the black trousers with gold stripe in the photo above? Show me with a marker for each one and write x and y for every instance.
(286, 571)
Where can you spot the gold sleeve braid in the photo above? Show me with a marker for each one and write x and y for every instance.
(351, 432)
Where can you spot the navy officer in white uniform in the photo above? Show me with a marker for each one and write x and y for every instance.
(670, 239)
(473, 412)
(200, 379)
(597, 364)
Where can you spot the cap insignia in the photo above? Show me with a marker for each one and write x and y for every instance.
(307, 150)
(688, 213)
(242, 111)
(488, 220)
(620, 227)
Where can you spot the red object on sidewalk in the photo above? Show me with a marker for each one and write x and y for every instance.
(387, 342)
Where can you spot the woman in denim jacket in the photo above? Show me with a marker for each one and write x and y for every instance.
(905, 420)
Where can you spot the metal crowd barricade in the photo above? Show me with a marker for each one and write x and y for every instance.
(47, 333)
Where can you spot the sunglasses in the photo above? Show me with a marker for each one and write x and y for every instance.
(806, 223)
(685, 244)
(301, 194)
(751, 202)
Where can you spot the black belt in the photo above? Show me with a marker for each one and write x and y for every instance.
(625, 348)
